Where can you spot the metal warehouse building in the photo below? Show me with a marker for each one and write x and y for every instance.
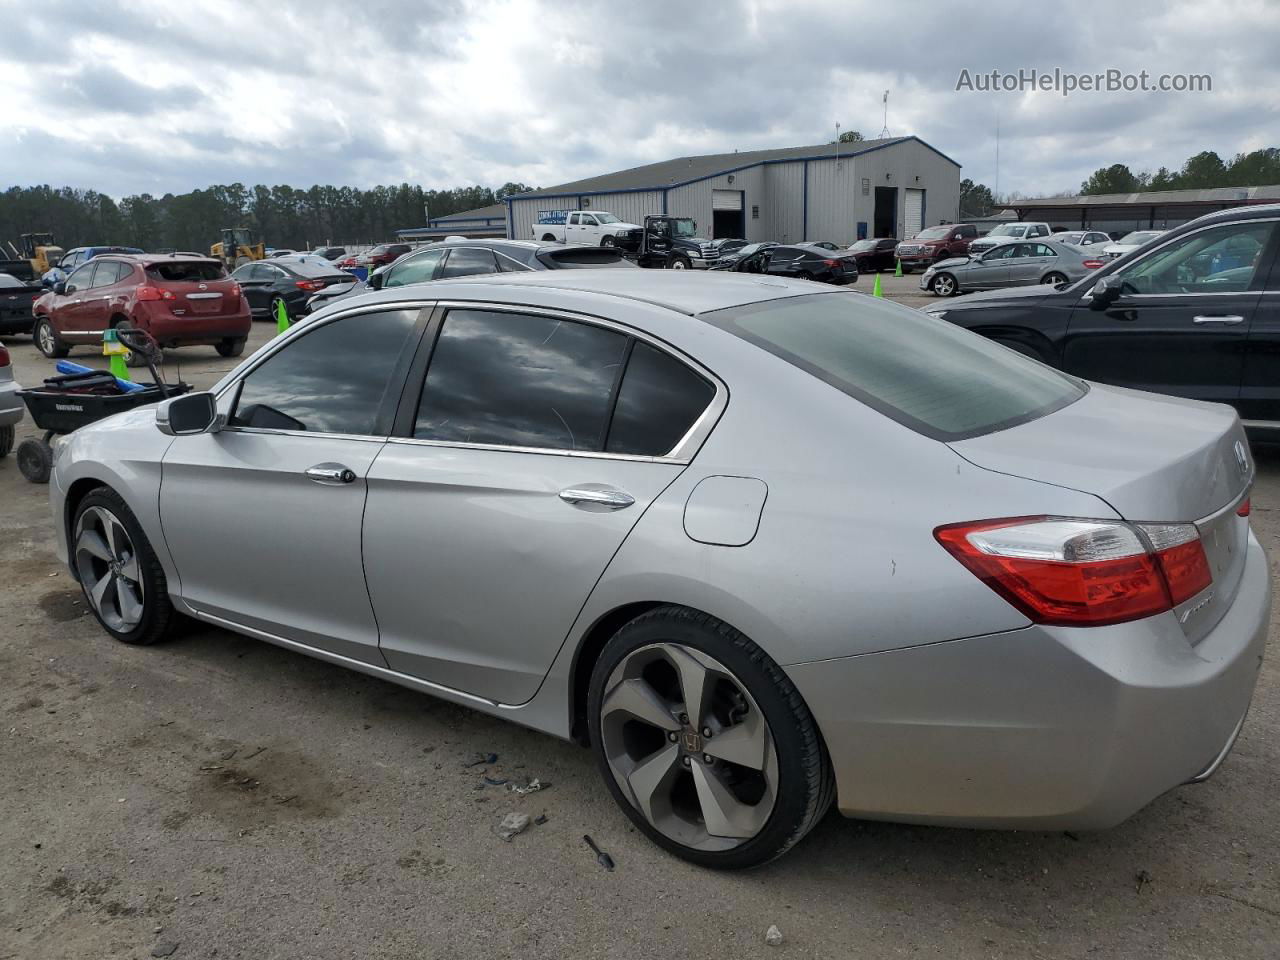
(838, 192)
(1155, 210)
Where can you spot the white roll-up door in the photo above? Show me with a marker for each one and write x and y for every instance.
(726, 199)
(914, 219)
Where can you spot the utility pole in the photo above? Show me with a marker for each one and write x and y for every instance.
(884, 131)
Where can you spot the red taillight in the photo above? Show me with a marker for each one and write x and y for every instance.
(4, 355)
(1093, 264)
(834, 264)
(235, 289)
(310, 284)
(149, 294)
(1082, 572)
(1243, 509)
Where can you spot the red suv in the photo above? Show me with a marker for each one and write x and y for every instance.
(179, 300)
(385, 253)
(936, 243)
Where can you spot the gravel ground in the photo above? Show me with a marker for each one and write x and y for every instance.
(230, 799)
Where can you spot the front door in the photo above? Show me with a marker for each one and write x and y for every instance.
(1181, 324)
(72, 311)
(991, 270)
(288, 475)
(536, 444)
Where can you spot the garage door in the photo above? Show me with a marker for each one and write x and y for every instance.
(726, 199)
(914, 220)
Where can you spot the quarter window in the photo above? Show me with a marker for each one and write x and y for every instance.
(659, 400)
(520, 380)
(330, 380)
(416, 270)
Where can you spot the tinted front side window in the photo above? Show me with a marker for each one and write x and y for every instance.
(938, 379)
(416, 270)
(519, 380)
(658, 402)
(82, 278)
(332, 380)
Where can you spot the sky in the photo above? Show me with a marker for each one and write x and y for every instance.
(156, 97)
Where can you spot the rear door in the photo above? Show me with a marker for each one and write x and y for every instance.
(1182, 323)
(256, 281)
(1260, 387)
(532, 444)
(1029, 262)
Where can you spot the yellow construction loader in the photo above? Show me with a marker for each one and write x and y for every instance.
(237, 247)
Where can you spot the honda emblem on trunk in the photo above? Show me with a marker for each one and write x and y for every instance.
(1242, 459)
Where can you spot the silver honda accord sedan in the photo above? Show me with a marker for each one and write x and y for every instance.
(764, 545)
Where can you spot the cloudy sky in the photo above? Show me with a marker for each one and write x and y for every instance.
(155, 96)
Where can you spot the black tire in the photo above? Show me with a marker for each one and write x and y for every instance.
(906, 270)
(548, 238)
(944, 285)
(608, 242)
(231, 347)
(6, 440)
(47, 340)
(158, 615)
(35, 460)
(1053, 278)
(806, 782)
(679, 263)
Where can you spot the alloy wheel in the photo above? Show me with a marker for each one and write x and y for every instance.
(689, 746)
(45, 333)
(944, 286)
(107, 563)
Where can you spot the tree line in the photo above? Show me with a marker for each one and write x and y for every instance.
(283, 216)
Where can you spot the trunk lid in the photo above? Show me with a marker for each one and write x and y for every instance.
(1154, 459)
(199, 287)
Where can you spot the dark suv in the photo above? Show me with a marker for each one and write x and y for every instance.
(1193, 313)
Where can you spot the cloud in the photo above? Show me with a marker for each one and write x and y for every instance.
(148, 95)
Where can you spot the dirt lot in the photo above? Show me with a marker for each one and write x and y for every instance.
(236, 800)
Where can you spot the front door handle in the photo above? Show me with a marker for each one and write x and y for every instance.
(599, 496)
(330, 473)
(1225, 319)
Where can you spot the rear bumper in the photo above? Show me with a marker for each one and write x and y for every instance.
(194, 328)
(11, 405)
(1044, 727)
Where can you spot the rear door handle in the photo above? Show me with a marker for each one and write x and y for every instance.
(599, 496)
(330, 473)
(1227, 319)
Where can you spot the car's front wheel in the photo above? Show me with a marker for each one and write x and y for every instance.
(704, 742)
(123, 582)
(944, 285)
(47, 340)
(608, 242)
(679, 263)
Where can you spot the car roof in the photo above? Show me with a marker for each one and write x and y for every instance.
(148, 258)
(683, 291)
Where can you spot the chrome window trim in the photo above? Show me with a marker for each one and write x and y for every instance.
(682, 453)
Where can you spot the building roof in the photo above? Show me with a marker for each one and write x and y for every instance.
(1157, 198)
(495, 211)
(670, 173)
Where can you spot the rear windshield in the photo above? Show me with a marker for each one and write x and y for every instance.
(186, 271)
(936, 378)
(312, 267)
(571, 258)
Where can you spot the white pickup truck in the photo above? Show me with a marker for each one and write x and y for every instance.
(596, 228)
(1023, 230)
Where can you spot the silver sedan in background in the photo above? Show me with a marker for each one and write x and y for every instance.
(1015, 263)
(762, 545)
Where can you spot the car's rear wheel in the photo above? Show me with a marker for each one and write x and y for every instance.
(230, 347)
(123, 582)
(548, 238)
(6, 440)
(1054, 278)
(944, 285)
(47, 340)
(704, 742)
(273, 312)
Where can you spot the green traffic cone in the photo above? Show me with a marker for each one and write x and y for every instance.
(875, 289)
(282, 317)
(898, 271)
(119, 369)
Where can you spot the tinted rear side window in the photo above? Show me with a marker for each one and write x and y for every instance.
(659, 400)
(186, 271)
(583, 258)
(938, 379)
(521, 381)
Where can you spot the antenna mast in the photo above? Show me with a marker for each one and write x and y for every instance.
(884, 131)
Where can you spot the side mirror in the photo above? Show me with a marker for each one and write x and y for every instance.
(190, 414)
(1104, 293)
(376, 279)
